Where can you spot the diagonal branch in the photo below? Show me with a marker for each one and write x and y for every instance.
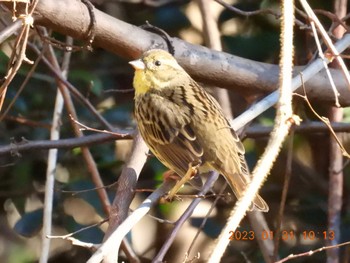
(212, 67)
(284, 119)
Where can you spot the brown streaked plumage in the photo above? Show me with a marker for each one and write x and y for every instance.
(182, 124)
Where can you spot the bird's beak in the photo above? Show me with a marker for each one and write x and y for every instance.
(137, 64)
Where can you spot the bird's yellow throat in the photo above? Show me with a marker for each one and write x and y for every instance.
(141, 85)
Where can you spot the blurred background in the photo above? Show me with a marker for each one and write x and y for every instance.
(106, 80)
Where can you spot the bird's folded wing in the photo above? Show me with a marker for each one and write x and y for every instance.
(172, 137)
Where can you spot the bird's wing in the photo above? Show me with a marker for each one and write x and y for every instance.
(169, 133)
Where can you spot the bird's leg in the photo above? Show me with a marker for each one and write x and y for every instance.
(171, 175)
(192, 171)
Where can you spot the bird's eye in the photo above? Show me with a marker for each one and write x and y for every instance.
(157, 63)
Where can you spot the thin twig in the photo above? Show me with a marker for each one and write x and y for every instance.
(87, 128)
(337, 21)
(188, 212)
(80, 230)
(212, 40)
(24, 121)
(272, 99)
(326, 122)
(77, 242)
(328, 41)
(268, 11)
(18, 55)
(284, 120)
(311, 252)
(73, 90)
(16, 148)
(250, 13)
(162, 33)
(322, 56)
(285, 189)
(201, 227)
(22, 86)
(336, 176)
(259, 225)
(91, 165)
(51, 164)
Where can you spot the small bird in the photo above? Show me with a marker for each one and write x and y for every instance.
(184, 126)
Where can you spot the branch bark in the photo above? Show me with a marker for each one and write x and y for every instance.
(336, 176)
(213, 67)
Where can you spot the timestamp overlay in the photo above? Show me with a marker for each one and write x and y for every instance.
(285, 235)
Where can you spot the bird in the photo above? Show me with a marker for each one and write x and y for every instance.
(184, 126)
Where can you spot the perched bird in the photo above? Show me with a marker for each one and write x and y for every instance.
(184, 126)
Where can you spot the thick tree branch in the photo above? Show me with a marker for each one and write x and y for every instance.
(213, 67)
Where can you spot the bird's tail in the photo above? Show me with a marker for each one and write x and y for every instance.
(238, 184)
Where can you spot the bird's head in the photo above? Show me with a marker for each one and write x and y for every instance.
(156, 69)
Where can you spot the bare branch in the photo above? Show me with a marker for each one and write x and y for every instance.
(336, 164)
(212, 67)
(327, 123)
(113, 242)
(327, 40)
(285, 189)
(52, 163)
(271, 99)
(311, 252)
(283, 120)
(207, 186)
(16, 148)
